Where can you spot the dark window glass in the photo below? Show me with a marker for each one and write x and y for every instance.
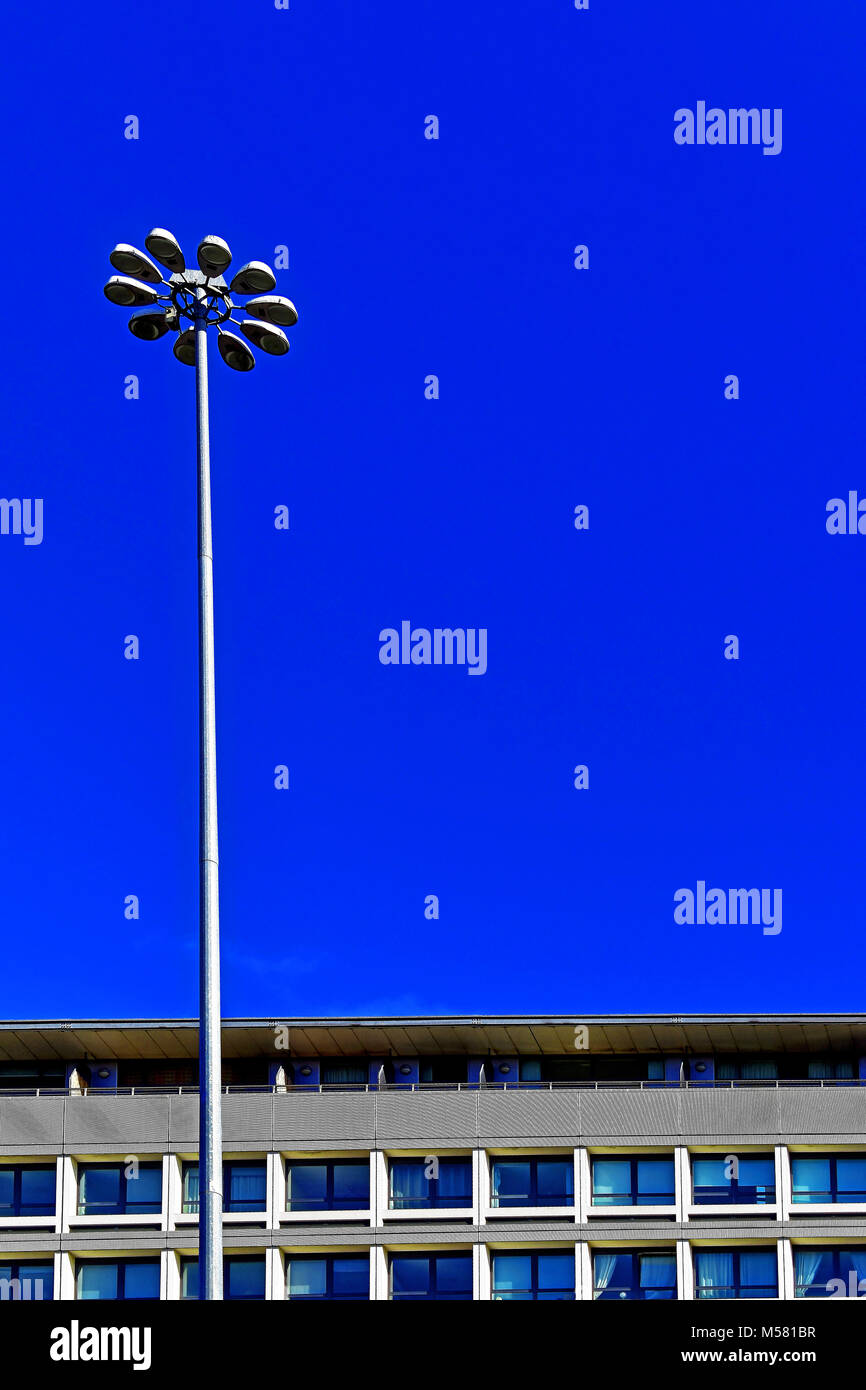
(727, 1178)
(26, 1280)
(631, 1182)
(634, 1275)
(126, 1279)
(118, 1189)
(830, 1272)
(243, 1277)
(343, 1074)
(435, 1277)
(736, 1273)
(430, 1182)
(244, 1186)
(332, 1185)
(332, 1277)
(27, 1191)
(539, 1276)
(532, 1182)
(828, 1178)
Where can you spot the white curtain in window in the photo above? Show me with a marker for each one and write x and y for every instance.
(806, 1265)
(715, 1270)
(604, 1267)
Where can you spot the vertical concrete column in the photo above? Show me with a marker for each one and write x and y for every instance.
(683, 1181)
(64, 1276)
(381, 1207)
(379, 1264)
(275, 1188)
(685, 1272)
(164, 1256)
(58, 1200)
(170, 1279)
(582, 1185)
(275, 1284)
(165, 1214)
(583, 1271)
(787, 1286)
(480, 1186)
(173, 1182)
(68, 1193)
(482, 1282)
(784, 1191)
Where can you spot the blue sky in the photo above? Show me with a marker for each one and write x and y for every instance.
(558, 387)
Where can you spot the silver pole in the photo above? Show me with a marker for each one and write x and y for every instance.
(210, 1050)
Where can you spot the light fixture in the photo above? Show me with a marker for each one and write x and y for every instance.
(213, 255)
(103, 1073)
(149, 324)
(273, 308)
(184, 348)
(254, 278)
(505, 1068)
(166, 249)
(129, 261)
(265, 336)
(700, 1066)
(306, 1071)
(235, 353)
(405, 1069)
(128, 293)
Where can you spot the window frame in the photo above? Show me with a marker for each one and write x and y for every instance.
(121, 1263)
(833, 1197)
(187, 1208)
(734, 1183)
(432, 1258)
(18, 1169)
(123, 1207)
(433, 1201)
(330, 1203)
(533, 1291)
(15, 1267)
(328, 1296)
(634, 1193)
(533, 1200)
(736, 1251)
(186, 1260)
(638, 1292)
(836, 1252)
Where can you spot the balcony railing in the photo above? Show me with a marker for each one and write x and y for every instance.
(812, 1083)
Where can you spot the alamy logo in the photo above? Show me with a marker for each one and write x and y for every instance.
(22, 515)
(439, 646)
(738, 125)
(846, 519)
(76, 1343)
(737, 906)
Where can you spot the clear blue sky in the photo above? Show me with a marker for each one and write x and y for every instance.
(410, 257)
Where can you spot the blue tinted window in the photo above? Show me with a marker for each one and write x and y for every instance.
(243, 1277)
(623, 1275)
(431, 1277)
(426, 1182)
(27, 1190)
(338, 1185)
(738, 1273)
(29, 1281)
(117, 1189)
(532, 1182)
(244, 1186)
(828, 1178)
(632, 1181)
(328, 1277)
(731, 1178)
(121, 1279)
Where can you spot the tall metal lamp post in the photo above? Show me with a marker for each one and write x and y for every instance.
(188, 303)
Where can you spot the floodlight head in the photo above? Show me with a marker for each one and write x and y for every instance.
(273, 308)
(128, 293)
(184, 347)
(254, 278)
(129, 261)
(214, 255)
(235, 353)
(265, 336)
(166, 249)
(149, 324)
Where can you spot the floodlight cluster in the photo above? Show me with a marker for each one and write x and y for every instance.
(188, 298)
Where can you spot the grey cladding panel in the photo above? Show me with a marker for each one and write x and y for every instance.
(183, 1122)
(716, 1115)
(249, 1119)
(331, 1116)
(653, 1116)
(116, 1123)
(432, 1116)
(542, 1114)
(824, 1111)
(32, 1120)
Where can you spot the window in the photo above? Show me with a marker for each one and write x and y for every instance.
(736, 1274)
(128, 1279)
(19, 1076)
(27, 1281)
(243, 1277)
(430, 1182)
(119, 1189)
(244, 1186)
(815, 1270)
(327, 1185)
(543, 1277)
(833, 1069)
(747, 1069)
(446, 1278)
(27, 1191)
(724, 1178)
(828, 1178)
(626, 1274)
(632, 1182)
(333, 1277)
(532, 1182)
(341, 1074)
